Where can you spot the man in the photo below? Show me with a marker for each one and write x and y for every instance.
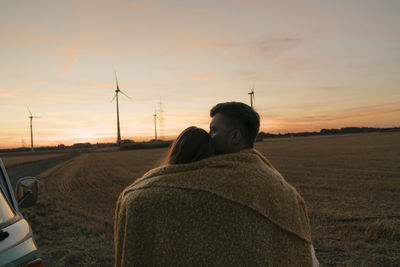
(234, 209)
(234, 127)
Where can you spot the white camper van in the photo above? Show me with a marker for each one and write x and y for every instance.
(17, 246)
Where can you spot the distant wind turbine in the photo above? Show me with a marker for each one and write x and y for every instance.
(116, 97)
(160, 117)
(155, 123)
(30, 118)
(252, 98)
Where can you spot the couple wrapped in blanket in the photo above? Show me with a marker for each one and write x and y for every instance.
(215, 202)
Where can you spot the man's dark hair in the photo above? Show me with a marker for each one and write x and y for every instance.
(242, 117)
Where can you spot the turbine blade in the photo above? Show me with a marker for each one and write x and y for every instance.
(113, 98)
(116, 80)
(125, 94)
(28, 109)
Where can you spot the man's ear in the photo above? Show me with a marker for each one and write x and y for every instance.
(235, 138)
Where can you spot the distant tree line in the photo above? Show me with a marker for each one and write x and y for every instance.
(130, 144)
(346, 130)
(126, 144)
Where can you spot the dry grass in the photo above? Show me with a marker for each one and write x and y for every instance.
(73, 219)
(351, 184)
(10, 161)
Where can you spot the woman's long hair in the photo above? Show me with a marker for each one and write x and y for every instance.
(192, 144)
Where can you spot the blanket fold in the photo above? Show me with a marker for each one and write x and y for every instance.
(245, 180)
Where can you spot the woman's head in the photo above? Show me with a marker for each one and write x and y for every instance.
(192, 144)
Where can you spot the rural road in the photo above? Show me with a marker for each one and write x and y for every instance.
(35, 168)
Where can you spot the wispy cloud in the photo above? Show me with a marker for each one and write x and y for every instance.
(65, 97)
(69, 57)
(9, 93)
(328, 88)
(345, 114)
(102, 84)
(199, 77)
(139, 6)
(292, 63)
(251, 74)
(272, 47)
(267, 49)
(185, 39)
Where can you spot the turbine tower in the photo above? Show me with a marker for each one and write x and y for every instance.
(252, 98)
(117, 91)
(30, 118)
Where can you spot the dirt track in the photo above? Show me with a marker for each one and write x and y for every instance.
(35, 168)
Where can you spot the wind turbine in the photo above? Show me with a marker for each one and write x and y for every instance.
(30, 118)
(117, 91)
(252, 98)
(155, 123)
(160, 117)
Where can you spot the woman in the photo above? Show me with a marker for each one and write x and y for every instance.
(193, 144)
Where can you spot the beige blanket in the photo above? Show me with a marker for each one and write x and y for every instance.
(228, 210)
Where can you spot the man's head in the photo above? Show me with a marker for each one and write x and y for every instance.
(234, 126)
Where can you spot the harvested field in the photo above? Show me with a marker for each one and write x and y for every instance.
(351, 184)
(73, 219)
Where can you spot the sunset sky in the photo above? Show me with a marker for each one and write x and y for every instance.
(315, 64)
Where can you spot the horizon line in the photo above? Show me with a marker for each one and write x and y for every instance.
(168, 138)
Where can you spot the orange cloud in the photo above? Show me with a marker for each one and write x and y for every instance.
(103, 84)
(375, 115)
(291, 63)
(5, 92)
(271, 47)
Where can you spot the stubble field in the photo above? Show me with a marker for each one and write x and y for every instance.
(351, 184)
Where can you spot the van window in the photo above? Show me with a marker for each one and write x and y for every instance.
(6, 213)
